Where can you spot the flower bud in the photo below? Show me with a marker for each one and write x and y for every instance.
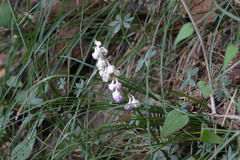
(117, 73)
(117, 96)
(104, 50)
(97, 43)
(111, 86)
(118, 85)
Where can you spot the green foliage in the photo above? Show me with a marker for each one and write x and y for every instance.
(54, 104)
(149, 54)
(174, 122)
(204, 88)
(116, 24)
(189, 79)
(231, 52)
(5, 15)
(209, 136)
(14, 82)
(186, 31)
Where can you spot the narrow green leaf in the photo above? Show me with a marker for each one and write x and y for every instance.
(186, 31)
(238, 106)
(231, 52)
(139, 65)
(174, 122)
(209, 136)
(204, 89)
(5, 16)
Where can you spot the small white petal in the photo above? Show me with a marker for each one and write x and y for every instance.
(105, 76)
(101, 73)
(110, 69)
(95, 55)
(104, 50)
(101, 64)
(111, 86)
(117, 73)
(97, 43)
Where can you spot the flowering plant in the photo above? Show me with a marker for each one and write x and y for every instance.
(108, 73)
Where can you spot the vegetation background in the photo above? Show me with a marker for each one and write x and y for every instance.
(179, 58)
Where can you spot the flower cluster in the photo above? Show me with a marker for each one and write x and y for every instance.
(109, 73)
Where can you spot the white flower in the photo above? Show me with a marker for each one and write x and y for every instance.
(129, 105)
(97, 52)
(132, 103)
(105, 76)
(104, 50)
(101, 64)
(117, 73)
(117, 96)
(110, 69)
(101, 73)
(111, 86)
(118, 85)
(135, 103)
(97, 43)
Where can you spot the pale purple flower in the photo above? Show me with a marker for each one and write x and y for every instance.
(128, 107)
(117, 96)
(117, 73)
(132, 103)
(118, 85)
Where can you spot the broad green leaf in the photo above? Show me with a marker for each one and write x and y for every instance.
(192, 82)
(184, 84)
(209, 136)
(139, 65)
(126, 17)
(194, 71)
(126, 25)
(186, 31)
(150, 53)
(231, 52)
(118, 17)
(174, 122)
(23, 150)
(117, 27)
(238, 106)
(113, 23)
(129, 19)
(13, 82)
(5, 16)
(204, 89)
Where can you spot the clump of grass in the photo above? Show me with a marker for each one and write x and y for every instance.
(54, 104)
